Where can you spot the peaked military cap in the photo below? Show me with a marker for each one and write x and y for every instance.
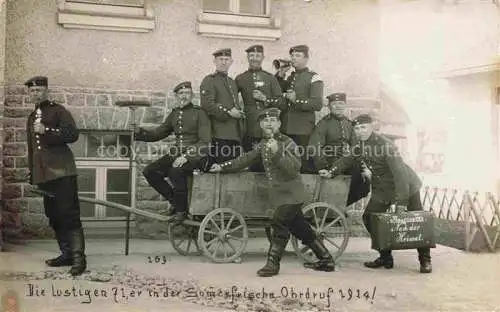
(41, 81)
(300, 48)
(339, 96)
(255, 48)
(222, 52)
(269, 112)
(183, 85)
(362, 119)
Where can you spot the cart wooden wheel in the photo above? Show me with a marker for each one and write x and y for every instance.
(184, 239)
(330, 224)
(223, 235)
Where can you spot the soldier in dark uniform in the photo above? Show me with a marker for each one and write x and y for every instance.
(50, 128)
(393, 183)
(332, 139)
(191, 127)
(219, 99)
(304, 97)
(286, 192)
(259, 90)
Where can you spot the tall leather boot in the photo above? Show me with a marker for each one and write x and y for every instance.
(78, 252)
(65, 258)
(325, 262)
(272, 266)
(424, 257)
(180, 207)
(384, 260)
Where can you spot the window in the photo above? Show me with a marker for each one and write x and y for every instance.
(242, 19)
(131, 3)
(103, 173)
(243, 7)
(117, 15)
(106, 181)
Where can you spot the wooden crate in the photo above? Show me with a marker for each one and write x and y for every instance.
(248, 192)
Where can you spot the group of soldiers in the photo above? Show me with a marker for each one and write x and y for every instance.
(269, 132)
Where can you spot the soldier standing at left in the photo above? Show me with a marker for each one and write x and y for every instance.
(259, 90)
(51, 163)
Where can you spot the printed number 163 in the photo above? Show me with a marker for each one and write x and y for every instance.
(157, 259)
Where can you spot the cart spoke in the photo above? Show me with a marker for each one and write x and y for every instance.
(236, 228)
(222, 220)
(215, 224)
(315, 218)
(225, 250)
(181, 241)
(231, 245)
(212, 241)
(214, 254)
(333, 222)
(189, 244)
(210, 232)
(324, 218)
(332, 242)
(236, 238)
(230, 222)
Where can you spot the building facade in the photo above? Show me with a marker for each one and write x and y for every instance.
(98, 52)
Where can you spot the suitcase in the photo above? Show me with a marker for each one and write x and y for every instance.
(403, 230)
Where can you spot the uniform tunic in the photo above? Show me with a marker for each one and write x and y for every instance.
(49, 156)
(299, 117)
(332, 138)
(258, 79)
(393, 181)
(282, 170)
(219, 94)
(192, 132)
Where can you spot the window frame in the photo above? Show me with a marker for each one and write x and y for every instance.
(101, 167)
(113, 17)
(234, 9)
(235, 25)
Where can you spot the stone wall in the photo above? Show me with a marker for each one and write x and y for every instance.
(92, 109)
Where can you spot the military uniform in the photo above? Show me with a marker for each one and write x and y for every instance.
(219, 94)
(332, 139)
(191, 127)
(299, 117)
(287, 194)
(52, 167)
(392, 182)
(247, 82)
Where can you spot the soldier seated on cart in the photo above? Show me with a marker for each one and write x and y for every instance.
(393, 183)
(281, 160)
(192, 130)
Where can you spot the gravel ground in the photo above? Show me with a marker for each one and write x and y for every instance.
(460, 281)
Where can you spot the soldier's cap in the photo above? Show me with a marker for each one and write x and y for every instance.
(362, 119)
(183, 85)
(255, 48)
(41, 81)
(300, 48)
(338, 96)
(222, 52)
(269, 112)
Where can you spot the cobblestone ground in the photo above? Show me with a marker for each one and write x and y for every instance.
(155, 278)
